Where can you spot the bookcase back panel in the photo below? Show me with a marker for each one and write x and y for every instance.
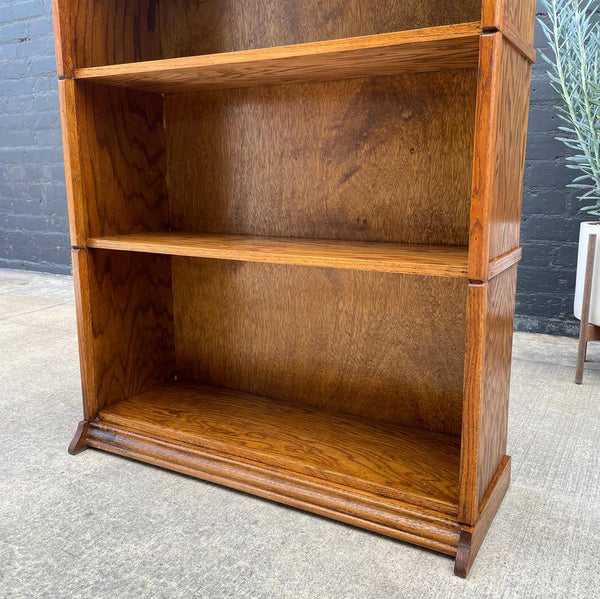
(121, 187)
(382, 159)
(210, 26)
(386, 347)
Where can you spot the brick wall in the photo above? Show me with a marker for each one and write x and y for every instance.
(33, 217)
(33, 213)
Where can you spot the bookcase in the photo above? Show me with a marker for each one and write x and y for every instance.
(295, 231)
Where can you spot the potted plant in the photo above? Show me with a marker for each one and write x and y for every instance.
(573, 32)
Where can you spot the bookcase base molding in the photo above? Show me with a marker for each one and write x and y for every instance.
(426, 528)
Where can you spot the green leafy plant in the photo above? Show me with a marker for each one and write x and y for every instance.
(573, 32)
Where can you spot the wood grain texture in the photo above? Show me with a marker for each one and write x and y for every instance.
(118, 164)
(125, 324)
(319, 336)
(382, 515)
(520, 16)
(472, 537)
(434, 49)
(63, 48)
(499, 158)
(484, 156)
(72, 151)
(405, 464)
(468, 505)
(490, 316)
(82, 265)
(505, 261)
(514, 18)
(510, 152)
(94, 33)
(496, 377)
(79, 441)
(426, 260)
(365, 159)
(214, 26)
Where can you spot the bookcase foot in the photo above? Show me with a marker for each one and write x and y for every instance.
(472, 537)
(79, 441)
(464, 558)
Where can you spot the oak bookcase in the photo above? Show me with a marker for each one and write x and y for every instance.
(295, 231)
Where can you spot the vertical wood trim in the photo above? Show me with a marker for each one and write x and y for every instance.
(72, 158)
(499, 156)
(490, 316)
(62, 39)
(81, 281)
(473, 392)
(484, 157)
(472, 537)
(505, 222)
(493, 425)
(491, 13)
(515, 18)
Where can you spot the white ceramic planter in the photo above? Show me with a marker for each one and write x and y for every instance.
(585, 231)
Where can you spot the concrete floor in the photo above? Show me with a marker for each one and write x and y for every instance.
(100, 526)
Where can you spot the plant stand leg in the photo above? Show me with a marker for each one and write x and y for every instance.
(585, 311)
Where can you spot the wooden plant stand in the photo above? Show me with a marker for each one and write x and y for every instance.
(587, 331)
(295, 231)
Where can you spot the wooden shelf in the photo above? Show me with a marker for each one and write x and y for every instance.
(448, 261)
(412, 465)
(431, 49)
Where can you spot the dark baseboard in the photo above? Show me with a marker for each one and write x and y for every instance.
(547, 326)
(45, 267)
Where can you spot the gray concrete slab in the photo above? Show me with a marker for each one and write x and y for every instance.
(101, 526)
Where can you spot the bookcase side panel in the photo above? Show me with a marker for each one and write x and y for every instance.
(125, 320)
(472, 403)
(81, 280)
(512, 17)
(499, 155)
(63, 47)
(72, 160)
(121, 186)
(490, 319)
(496, 371)
(212, 26)
(511, 142)
(101, 32)
(378, 159)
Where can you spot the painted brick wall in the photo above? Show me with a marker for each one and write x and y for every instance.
(33, 213)
(33, 216)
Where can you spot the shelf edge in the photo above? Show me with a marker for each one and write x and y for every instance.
(231, 69)
(245, 254)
